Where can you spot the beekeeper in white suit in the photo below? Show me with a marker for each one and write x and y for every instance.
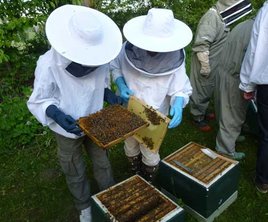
(151, 66)
(70, 82)
(211, 33)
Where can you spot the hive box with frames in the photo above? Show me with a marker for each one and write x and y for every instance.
(205, 181)
(134, 200)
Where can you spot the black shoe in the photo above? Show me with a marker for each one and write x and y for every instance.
(263, 188)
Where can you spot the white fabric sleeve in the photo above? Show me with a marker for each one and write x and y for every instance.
(45, 93)
(248, 62)
(180, 85)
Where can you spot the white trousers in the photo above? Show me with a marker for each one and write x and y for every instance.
(133, 148)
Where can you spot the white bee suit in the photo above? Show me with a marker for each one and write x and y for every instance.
(74, 96)
(157, 90)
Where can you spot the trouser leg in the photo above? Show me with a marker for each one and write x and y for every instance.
(132, 151)
(73, 166)
(262, 154)
(232, 114)
(199, 100)
(102, 169)
(150, 160)
(217, 94)
(150, 163)
(131, 147)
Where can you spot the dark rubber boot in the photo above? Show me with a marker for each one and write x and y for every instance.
(135, 164)
(149, 172)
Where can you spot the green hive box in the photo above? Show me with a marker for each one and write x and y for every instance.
(205, 181)
(134, 200)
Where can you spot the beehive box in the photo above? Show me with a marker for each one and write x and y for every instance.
(134, 200)
(205, 181)
(111, 125)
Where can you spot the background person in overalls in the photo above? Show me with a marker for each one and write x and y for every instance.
(70, 82)
(151, 66)
(210, 36)
(232, 108)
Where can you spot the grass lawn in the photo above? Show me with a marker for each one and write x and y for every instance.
(33, 188)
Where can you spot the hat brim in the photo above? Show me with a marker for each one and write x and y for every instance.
(181, 37)
(68, 45)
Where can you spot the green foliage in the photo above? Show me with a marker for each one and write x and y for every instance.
(16, 18)
(190, 11)
(22, 40)
(122, 11)
(18, 126)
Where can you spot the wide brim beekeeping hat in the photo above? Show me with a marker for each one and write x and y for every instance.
(83, 35)
(158, 31)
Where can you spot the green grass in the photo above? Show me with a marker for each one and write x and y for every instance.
(33, 188)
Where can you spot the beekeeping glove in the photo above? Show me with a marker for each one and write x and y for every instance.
(111, 98)
(203, 58)
(125, 92)
(65, 121)
(176, 112)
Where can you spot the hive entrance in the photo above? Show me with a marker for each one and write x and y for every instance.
(135, 201)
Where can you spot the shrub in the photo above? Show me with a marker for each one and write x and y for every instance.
(18, 126)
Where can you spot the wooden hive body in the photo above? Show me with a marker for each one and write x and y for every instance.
(200, 177)
(134, 200)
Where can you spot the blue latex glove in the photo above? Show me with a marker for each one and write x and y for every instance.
(111, 98)
(176, 112)
(125, 92)
(65, 121)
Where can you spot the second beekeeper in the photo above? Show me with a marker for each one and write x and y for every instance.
(151, 66)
